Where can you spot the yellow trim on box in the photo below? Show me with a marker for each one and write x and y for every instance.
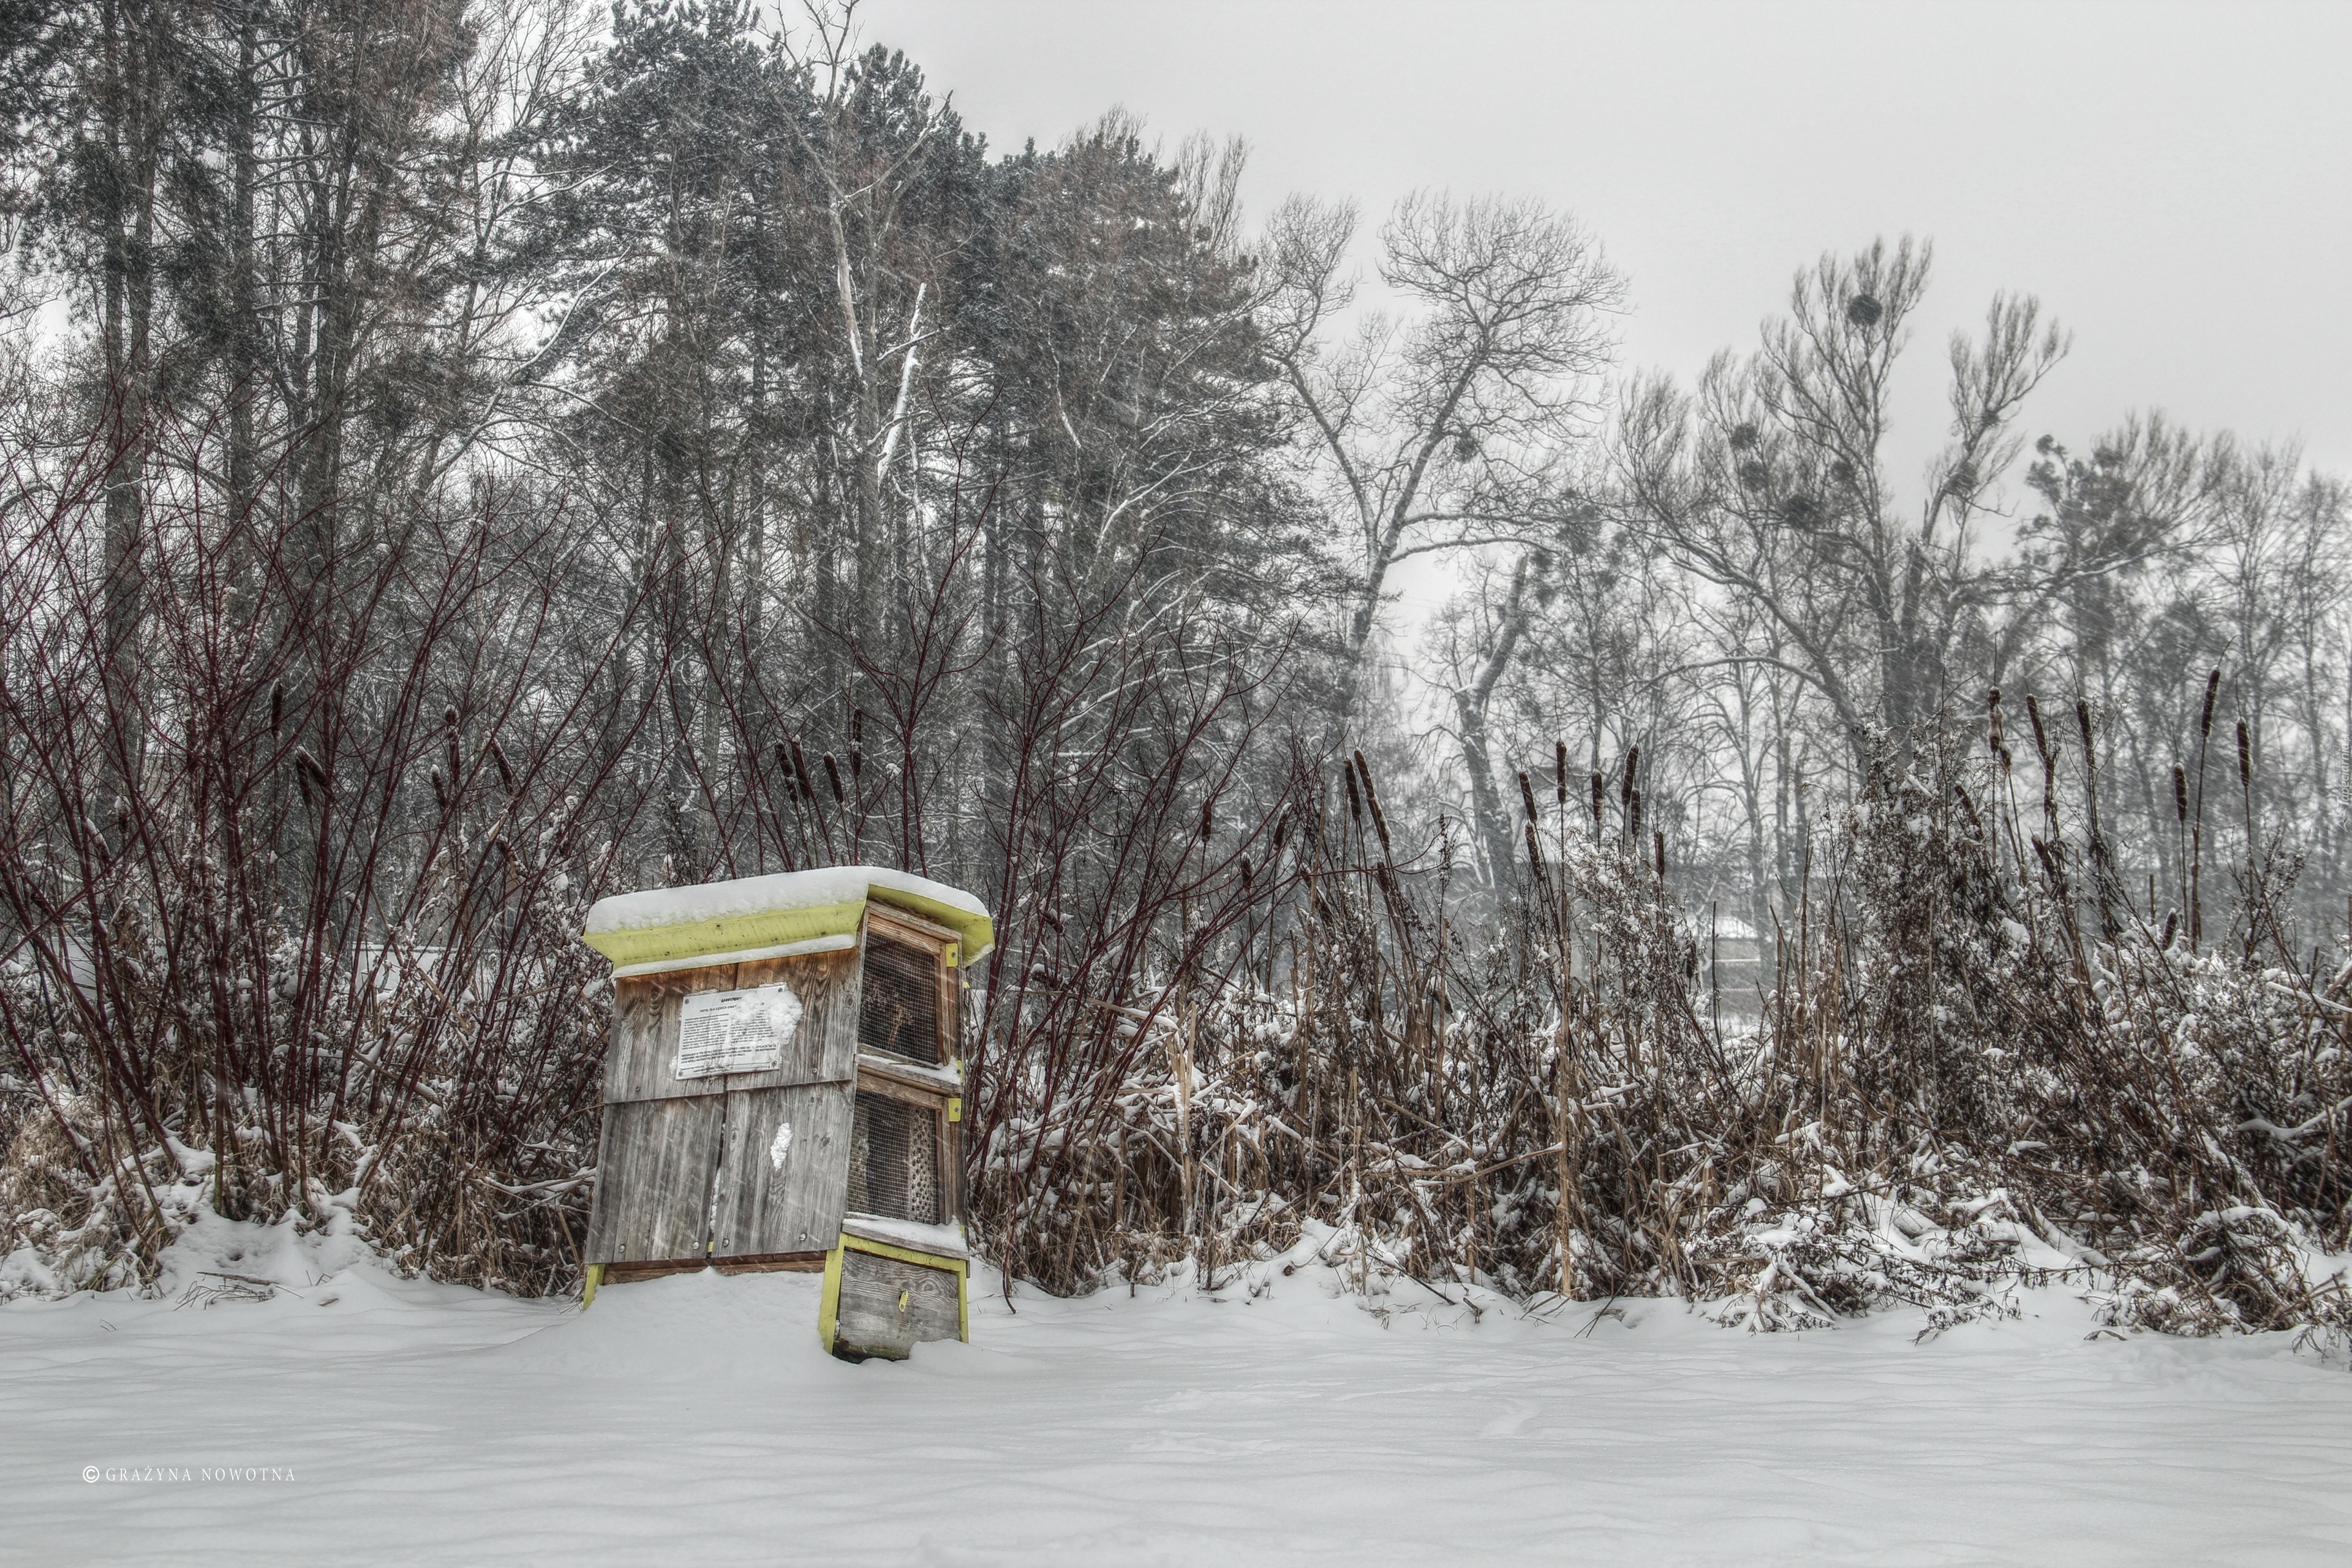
(840, 941)
(718, 941)
(828, 1312)
(695, 939)
(588, 1291)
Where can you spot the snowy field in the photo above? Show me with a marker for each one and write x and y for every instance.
(694, 1420)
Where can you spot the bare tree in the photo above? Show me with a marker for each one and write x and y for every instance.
(1452, 426)
(1498, 625)
(873, 152)
(1772, 483)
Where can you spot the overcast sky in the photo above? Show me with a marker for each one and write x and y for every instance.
(2172, 180)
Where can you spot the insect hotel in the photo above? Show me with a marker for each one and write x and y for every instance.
(781, 1092)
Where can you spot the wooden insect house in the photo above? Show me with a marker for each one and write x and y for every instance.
(781, 1092)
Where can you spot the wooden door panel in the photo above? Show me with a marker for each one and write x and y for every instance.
(785, 1171)
(653, 1179)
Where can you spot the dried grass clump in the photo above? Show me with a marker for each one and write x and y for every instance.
(1980, 1068)
(289, 924)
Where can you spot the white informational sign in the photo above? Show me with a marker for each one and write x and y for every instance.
(735, 1031)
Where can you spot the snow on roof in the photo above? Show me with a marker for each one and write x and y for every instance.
(765, 916)
(760, 895)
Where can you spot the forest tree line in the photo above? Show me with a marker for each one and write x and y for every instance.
(468, 456)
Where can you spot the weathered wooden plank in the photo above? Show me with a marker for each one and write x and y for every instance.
(889, 1306)
(768, 1263)
(951, 1155)
(643, 1044)
(890, 1086)
(654, 1172)
(950, 1013)
(786, 1170)
(772, 1263)
(951, 1189)
(640, 1062)
(828, 985)
(628, 1273)
(605, 1194)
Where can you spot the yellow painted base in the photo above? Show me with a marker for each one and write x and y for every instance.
(588, 1291)
(828, 1314)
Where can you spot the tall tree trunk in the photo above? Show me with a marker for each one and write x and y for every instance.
(1470, 705)
(138, 109)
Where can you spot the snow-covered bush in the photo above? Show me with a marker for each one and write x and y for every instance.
(1973, 1073)
(291, 918)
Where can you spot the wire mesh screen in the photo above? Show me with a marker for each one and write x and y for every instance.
(899, 1015)
(894, 1161)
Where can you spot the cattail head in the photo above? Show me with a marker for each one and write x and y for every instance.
(2050, 865)
(2245, 757)
(1528, 795)
(1632, 765)
(1364, 773)
(308, 771)
(1600, 798)
(1660, 847)
(2212, 690)
(1371, 793)
(1372, 804)
(2180, 791)
(1560, 761)
(1355, 805)
(833, 777)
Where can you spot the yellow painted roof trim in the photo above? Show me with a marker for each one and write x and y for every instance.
(646, 948)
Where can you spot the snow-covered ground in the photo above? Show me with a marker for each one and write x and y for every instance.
(694, 1420)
